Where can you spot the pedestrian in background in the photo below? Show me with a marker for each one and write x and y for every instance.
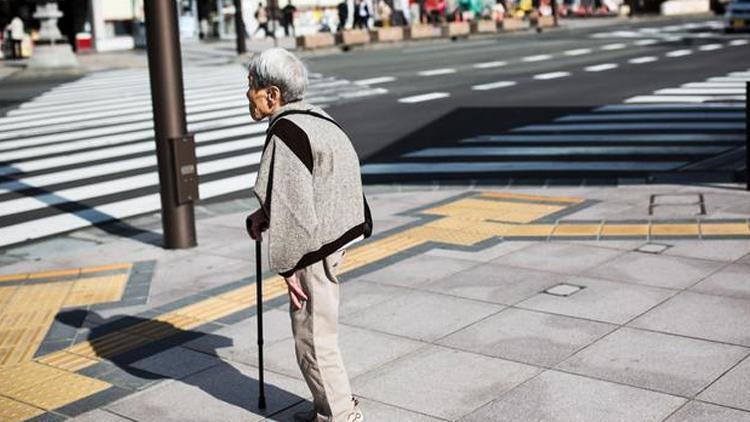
(287, 18)
(384, 13)
(311, 203)
(343, 10)
(17, 33)
(261, 15)
(361, 15)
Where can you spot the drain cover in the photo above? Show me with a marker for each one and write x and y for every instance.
(563, 289)
(653, 248)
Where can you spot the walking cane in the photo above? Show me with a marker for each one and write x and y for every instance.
(259, 307)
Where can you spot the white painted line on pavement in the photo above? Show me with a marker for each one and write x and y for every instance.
(424, 97)
(617, 46)
(484, 167)
(723, 126)
(649, 30)
(679, 53)
(564, 151)
(733, 84)
(642, 43)
(488, 65)
(728, 79)
(551, 75)
(710, 47)
(738, 42)
(683, 98)
(537, 58)
(436, 72)
(374, 81)
(493, 85)
(662, 107)
(578, 52)
(619, 117)
(644, 59)
(699, 138)
(700, 91)
(601, 67)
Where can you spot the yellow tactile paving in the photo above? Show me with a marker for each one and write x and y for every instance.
(67, 361)
(14, 277)
(673, 229)
(615, 230)
(56, 273)
(62, 390)
(585, 230)
(724, 229)
(110, 267)
(525, 197)
(90, 291)
(5, 294)
(12, 410)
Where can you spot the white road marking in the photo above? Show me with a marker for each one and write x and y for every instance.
(537, 58)
(738, 42)
(663, 107)
(600, 67)
(374, 81)
(486, 167)
(733, 84)
(578, 52)
(618, 117)
(436, 72)
(683, 98)
(699, 138)
(493, 85)
(679, 53)
(641, 43)
(724, 126)
(424, 97)
(644, 59)
(700, 91)
(563, 151)
(710, 47)
(488, 65)
(617, 46)
(551, 75)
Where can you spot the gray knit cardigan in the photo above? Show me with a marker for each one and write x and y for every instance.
(310, 188)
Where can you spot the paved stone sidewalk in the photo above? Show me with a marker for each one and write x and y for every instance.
(443, 317)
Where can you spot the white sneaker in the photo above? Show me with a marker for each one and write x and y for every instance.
(312, 415)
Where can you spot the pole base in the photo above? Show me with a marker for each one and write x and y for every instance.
(262, 402)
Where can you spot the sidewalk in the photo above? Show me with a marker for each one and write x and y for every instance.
(443, 316)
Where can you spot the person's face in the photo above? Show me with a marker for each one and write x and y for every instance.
(263, 101)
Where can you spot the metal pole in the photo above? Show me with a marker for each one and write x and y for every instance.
(259, 308)
(168, 103)
(747, 136)
(239, 24)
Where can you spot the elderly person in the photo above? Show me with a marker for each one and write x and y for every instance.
(310, 192)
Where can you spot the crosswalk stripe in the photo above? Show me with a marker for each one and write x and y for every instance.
(698, 138)
(629, 126)
(645, 59)
(536, 166)
(537, 58)
(578, 52)
(652, 116)
(610, 47)
(642, 43)
(436, 72)
(424, 97)
(683, 98)
(489, 65)
(551, 75)
(373, 81)
(90, 142)
(700, 91)
(562, 151)
(679, 53)
(601, 67)
(493, 85)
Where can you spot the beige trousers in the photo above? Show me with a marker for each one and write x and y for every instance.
(316, 340)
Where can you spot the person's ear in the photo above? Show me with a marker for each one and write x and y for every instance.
(273, 95)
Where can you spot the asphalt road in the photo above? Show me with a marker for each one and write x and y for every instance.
(383, 128)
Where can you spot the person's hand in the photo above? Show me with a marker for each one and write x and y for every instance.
(296, 294)
(256, 223)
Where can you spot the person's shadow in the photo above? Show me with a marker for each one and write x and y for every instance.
(229, 385)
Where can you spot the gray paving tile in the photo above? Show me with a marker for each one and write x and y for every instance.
(496, 283)
(419, 269)
(703, 412)
(625, 245)
(362, 350)
(600, 300)
(655, 270)
(731, 389)
(358, 295)
(530, 337)
(716, 250)
(99, 416)
(483, 255)
(239, 342)
(559, 257)
(422, 315)
(732, 281)
(442, 382)
(228, 392)
(662, 362)
(702, 316)
(554, 396)
(176, 362)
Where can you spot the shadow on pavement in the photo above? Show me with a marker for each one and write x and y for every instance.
(233, 387)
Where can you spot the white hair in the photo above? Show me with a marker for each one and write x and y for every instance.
(282, 69)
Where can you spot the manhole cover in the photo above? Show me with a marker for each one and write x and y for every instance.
(563, 289)
(653, 248)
